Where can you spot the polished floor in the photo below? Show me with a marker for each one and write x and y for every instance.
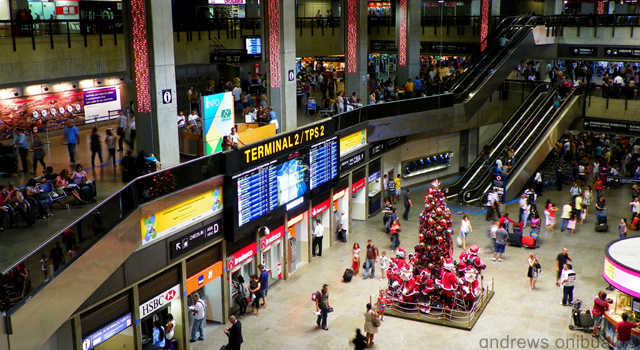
(514, 312)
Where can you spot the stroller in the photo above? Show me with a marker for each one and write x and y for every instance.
(580, 319)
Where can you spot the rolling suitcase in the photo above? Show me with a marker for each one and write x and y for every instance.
(85, 193)
(529, 242)
(585, 318)
(601, 224)
(515, 239)
(348, 275)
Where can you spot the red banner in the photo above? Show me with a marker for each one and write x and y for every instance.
(358, 186)
(241, 256)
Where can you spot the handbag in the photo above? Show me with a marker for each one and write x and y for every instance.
(459, 241)
(537, 265)
(375, 321)
(329, 309)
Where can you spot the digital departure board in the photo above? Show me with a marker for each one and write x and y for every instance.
(323, 162)
(265, 188)
(253, 45)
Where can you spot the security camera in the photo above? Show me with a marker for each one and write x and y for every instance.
(98, 82)
(16, 94)
(46, 88)
(74, 86)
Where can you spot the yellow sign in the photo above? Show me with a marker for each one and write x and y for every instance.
(181, 215)
(353, 141)
(609, 270)
(284, 143)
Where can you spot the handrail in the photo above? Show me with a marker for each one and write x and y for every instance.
(542, 125)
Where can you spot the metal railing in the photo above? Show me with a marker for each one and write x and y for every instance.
(556, 24)
(622, 93)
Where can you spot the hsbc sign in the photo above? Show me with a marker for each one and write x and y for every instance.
(159, 301)
(240, 256)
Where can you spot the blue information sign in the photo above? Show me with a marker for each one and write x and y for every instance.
(101, 335)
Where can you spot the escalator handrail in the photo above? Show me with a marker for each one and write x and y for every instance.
(483, 54)
(497, 59)
(499, 137)
(526, 118)
(576, 91)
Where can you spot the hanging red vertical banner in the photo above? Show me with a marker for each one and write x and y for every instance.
(484, 23)
(352, 35)
(402, 34)
(273, 22)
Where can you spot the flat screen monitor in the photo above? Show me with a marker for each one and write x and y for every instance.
(253, 45)
(635, 305)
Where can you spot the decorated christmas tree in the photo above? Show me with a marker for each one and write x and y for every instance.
(429, 277)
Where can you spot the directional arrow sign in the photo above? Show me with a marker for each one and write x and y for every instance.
(178, 247)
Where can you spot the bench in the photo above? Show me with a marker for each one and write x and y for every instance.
(48, 189)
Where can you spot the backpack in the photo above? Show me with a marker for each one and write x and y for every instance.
(314, 295)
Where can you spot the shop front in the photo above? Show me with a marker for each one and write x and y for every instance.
(298, 236)
(622, 271)
(109, 325)
(241, 263)
(159, 297)
(374, 187)
(271, 253)
(359, 194)
(208, 283)
(341, 204)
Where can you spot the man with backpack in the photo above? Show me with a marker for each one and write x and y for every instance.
(372, 258)
(322, 306)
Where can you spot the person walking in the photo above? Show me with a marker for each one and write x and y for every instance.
(158, 335)
(465, 229)
(319, 19)
(601, 204)
(372, 258)
(587, 197)
(234, 333)
(395, 235)
(391, 185)
(132, 132)
(622, 228)
(635, 207)
(355, 258)
(567, 281)
(198, 312)
(322, 307)
(369, 328)
(264, 284)
(550, 215)
(407, 204)
(22, 148)
(499, 244)
(600, 305)
(111, 147)
(360, 341)
(561, 260)
(492, 205)
(254, 289)
(169, 331)
(566, 215)
(317, 234)
(71, 133)
(534, 269)
(122, 126)
(38, 154)
(96, 146)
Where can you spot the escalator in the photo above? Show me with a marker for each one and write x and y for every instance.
(490, 65)
(531, 143)
(499, 144)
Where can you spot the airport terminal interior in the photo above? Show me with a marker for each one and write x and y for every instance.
(226, 173)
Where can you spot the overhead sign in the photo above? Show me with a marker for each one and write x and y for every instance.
(272, 237)
(622, 180)
(160, 224)
(590, 51)
(100, 336)
(320, 208)
(386, 145)
(373, 177)
(622, 52)
(279, 145)
(159, 301)
(351, 161)
(229, 56)
(330, 58)
(340, 194)
(612, 127)
(203, 277)
(353, 141)
(620, 277)
(244, 254)
(186, 243)
(383, 45)
(358, 186)
(449, 48)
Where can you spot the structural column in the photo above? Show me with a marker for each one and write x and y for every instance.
(279, 31)
(153, 72)
(357, 49)
(553, 7)
(408, 39)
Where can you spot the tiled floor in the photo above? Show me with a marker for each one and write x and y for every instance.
(514, 312)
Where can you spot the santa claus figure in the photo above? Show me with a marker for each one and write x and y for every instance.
(448, 283)
(424, 300)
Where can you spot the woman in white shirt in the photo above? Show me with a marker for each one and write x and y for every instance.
(355, 258)
(169, 328)
(526, 211)
(465, 229)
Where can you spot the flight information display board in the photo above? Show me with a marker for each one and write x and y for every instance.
(265, 188)
(323, 162)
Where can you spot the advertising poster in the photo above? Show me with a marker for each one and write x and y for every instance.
(219, 118)
(51, 111)
(98, 102)
(173, 219)
(353, 141)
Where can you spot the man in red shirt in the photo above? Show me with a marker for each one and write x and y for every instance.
(624, 332)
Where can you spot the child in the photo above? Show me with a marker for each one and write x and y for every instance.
(382, 303)
(384, 264)
(43, 265)
(571, 225)
(153, 159)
